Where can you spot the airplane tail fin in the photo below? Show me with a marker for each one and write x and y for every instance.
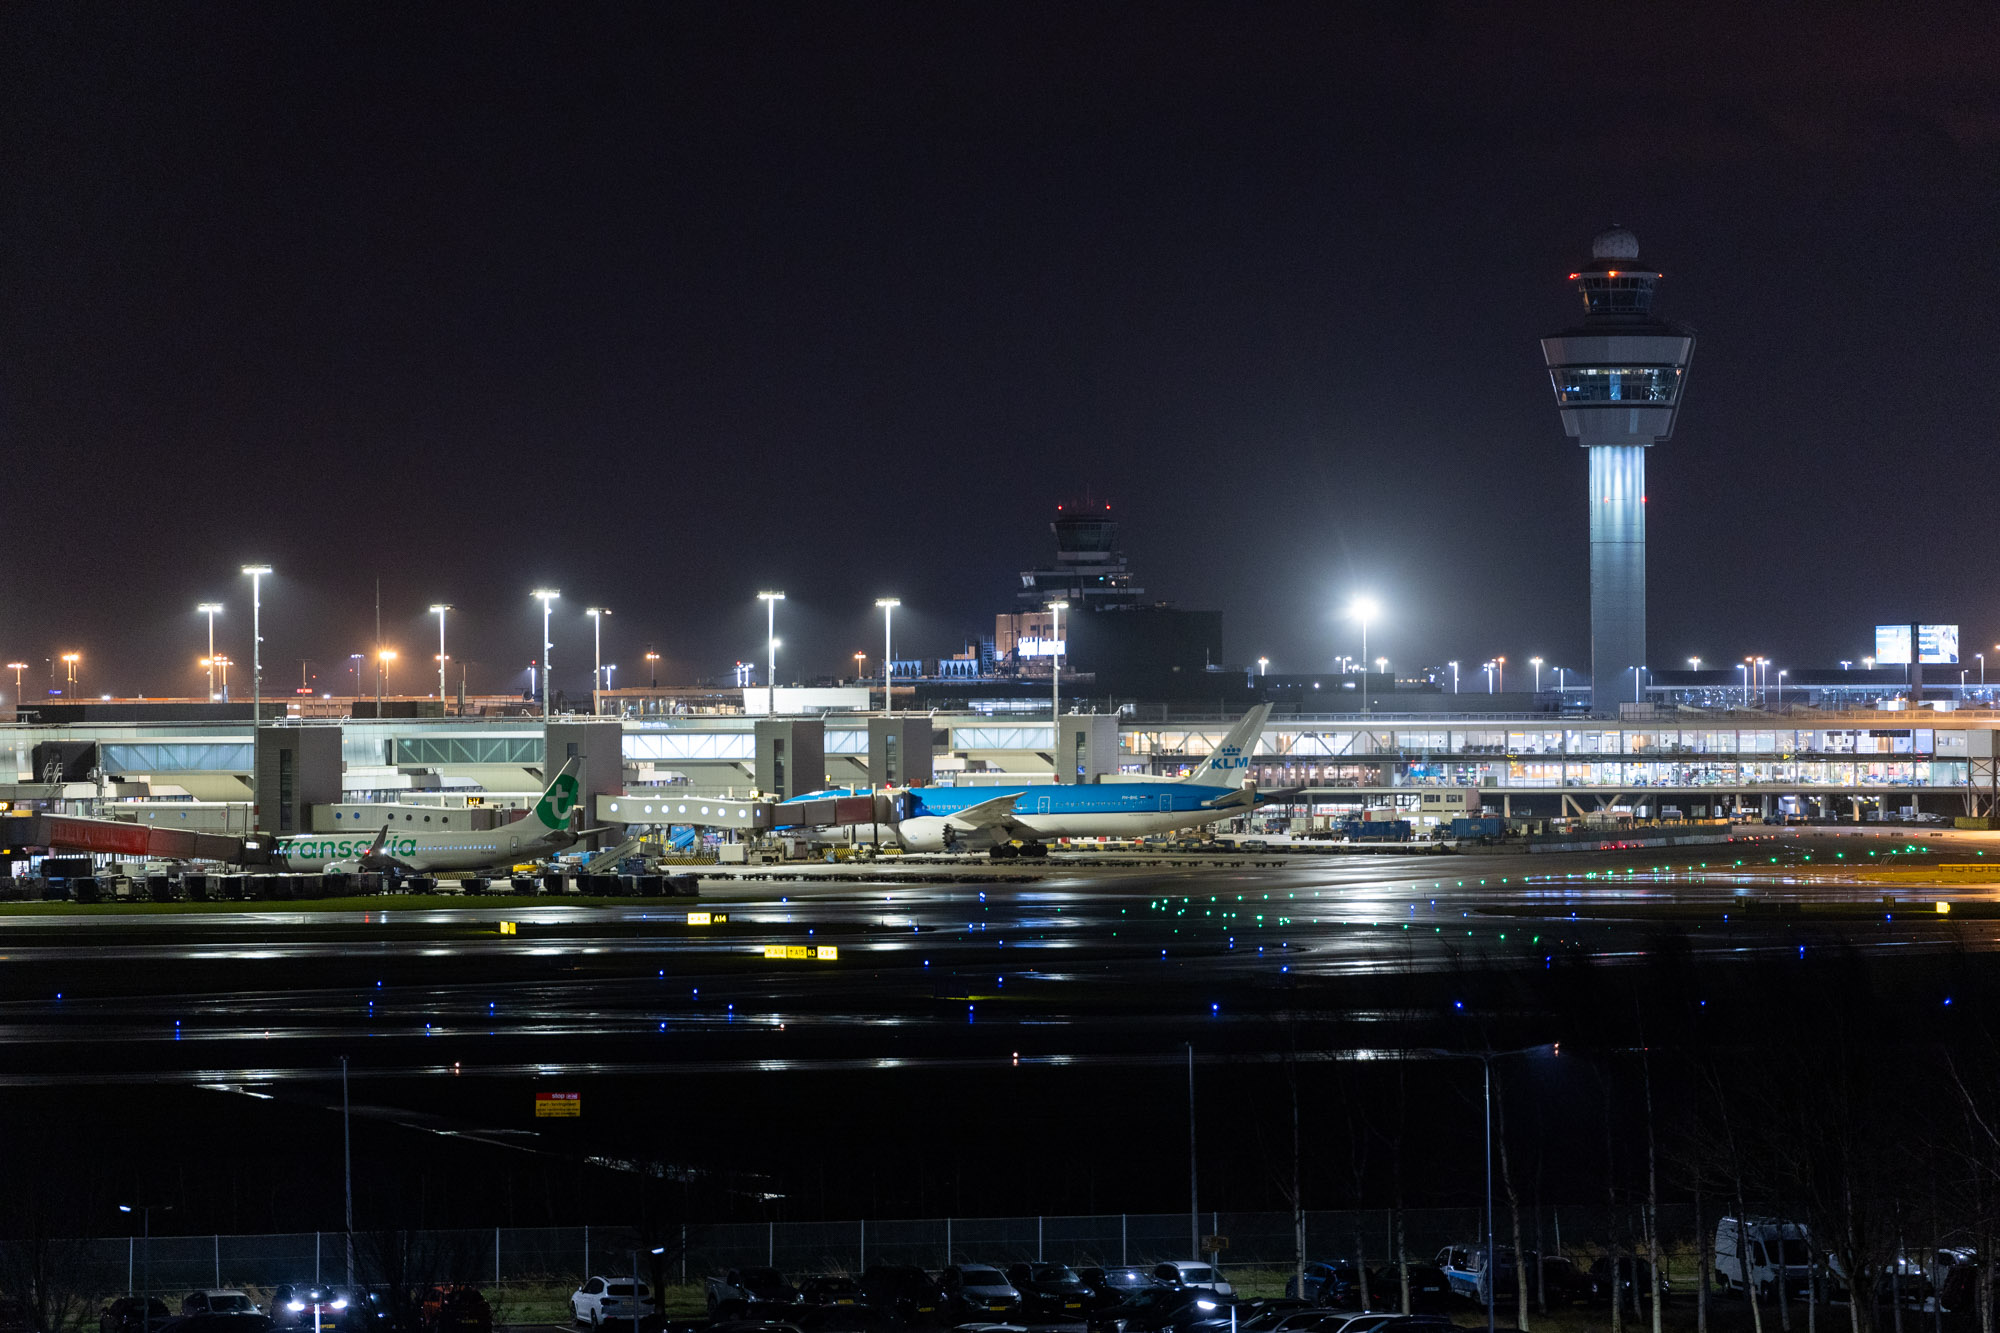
(552, 812)
(1230, 760)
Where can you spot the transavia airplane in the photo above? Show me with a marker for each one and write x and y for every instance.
(937, 819)
(541, 832)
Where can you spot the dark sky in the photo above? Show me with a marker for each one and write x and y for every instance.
(662, 304)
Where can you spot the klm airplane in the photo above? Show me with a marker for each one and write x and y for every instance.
(543, 831)
(938, 819)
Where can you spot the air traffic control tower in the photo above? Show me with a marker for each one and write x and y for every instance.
(1618, 378)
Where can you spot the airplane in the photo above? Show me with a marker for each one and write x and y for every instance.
(938, 819)
(542, 831)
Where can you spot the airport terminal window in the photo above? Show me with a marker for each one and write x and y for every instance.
(1615, 384)
(175, 756)
(467, 750)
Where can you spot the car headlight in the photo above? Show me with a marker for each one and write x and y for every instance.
(296, 1306)
(340, 1304)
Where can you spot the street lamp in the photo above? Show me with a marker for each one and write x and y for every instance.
(860, 668)
(1694, 664)
(1537, 662)
(145, 1212)
(1982, 669)
(17, 668)
(1364, 609)
(1488, 669)
(1381, 666)
(1500, 672)
(210, 609)
(1745, 669)
(1486, 1059)
(1454, 677)
(1055, 675)
(638, 1306)
(383, 658)
(770, 601)
(653, 669)
(1263, 666)
(69, 671)
(439, 609)
(547, 595)
(596, 614)
(1783, 674)
(888, 605)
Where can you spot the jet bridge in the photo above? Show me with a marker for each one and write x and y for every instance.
(702, 811)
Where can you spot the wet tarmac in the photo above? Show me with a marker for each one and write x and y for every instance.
(1084, 963)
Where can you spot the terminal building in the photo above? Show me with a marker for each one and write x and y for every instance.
(456, 773)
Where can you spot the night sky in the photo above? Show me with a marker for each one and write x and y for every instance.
(663, 304)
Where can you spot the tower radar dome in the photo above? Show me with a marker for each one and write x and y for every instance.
(1616, 243)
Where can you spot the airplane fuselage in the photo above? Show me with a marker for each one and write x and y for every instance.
(483, 849)
(1048, 811)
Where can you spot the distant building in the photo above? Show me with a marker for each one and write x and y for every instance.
(1089, 572)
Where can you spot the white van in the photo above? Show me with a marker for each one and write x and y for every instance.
(1773, 1251)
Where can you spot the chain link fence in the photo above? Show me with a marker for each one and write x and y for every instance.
(559, 1257)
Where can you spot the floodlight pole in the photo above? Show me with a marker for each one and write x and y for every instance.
(547, 596)
(440, 609)
(888, 605)
(256, 573)
(770, 601)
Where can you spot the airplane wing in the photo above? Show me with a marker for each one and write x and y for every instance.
(1242, 796)
(376, 859)
(1277, 794)
(997, 812)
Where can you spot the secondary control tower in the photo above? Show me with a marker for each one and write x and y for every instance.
(1618, 378)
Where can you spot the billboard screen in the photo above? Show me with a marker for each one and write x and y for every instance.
(1937, 645)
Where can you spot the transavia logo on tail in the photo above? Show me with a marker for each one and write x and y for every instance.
(559, 800)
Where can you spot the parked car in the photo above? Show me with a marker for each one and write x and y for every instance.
(133, 1314)
(1336, 1283)
(1050, 1291)
(1774, 1252)
(842, 1319)
(600, 1300)
(218, 1300)
(240, 1321)
(1430, 1290)
(976, 1291)
(1109, 1286)
(1464, 1267)
(904, 1291)
(830, 1289)
(1260, 1316)
(1159, 1309)
(751, 1284)
(757, 1314)
(1193, 1273)
(458, 1309)
(303, 1308)
(1632, 1272)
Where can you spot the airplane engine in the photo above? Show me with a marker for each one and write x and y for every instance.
(937, 833)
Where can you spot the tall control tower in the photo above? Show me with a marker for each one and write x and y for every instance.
(1618, 378)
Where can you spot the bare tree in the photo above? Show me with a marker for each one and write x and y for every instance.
(48, 1275)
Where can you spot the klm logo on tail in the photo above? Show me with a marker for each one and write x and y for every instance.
(1229, 762)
